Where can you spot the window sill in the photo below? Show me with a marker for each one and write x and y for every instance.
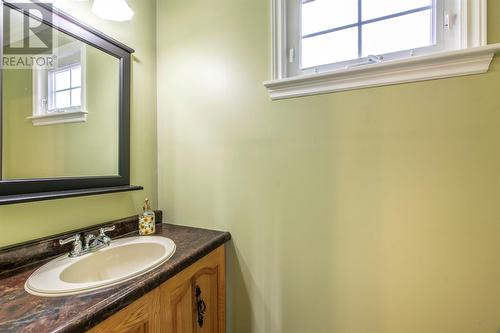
(429, 67)
(59, 118)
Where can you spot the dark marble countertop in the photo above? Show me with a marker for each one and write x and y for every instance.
(23, 312)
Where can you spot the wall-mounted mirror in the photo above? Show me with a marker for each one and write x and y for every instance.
(64, 107)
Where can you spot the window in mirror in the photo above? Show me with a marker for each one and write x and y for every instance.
(65, 89)
(59, 92)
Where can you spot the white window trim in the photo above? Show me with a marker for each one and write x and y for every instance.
(474, 58)
(65, 117)
(78, 114)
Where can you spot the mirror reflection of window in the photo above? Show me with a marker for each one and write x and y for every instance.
(65, 88)
(59, 92)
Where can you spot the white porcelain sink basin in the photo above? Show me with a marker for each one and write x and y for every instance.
(123, 260)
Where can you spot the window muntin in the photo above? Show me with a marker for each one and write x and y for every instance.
(341, 13)
(406, 32)
(372, 9)
(382, 27)
(65, 88)
(328, 44)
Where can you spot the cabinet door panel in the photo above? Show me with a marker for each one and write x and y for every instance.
(193, 301)
(180, 308)
(140, 329)
(206, 292)
(142, 316)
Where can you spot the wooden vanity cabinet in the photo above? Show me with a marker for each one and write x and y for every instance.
(192, 301)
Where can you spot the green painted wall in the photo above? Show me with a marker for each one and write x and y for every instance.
(374, 210)
(62, 150)
(23, 222)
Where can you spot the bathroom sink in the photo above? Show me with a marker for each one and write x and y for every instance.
(122, 260)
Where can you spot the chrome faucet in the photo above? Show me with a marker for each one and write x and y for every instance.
(91, 242)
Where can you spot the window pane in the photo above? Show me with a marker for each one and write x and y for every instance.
(378, 8)
(76, 77)
(62, 80)
(320, 15)
(76, 97)
(62, 99)
(329, 48)
(398, 34)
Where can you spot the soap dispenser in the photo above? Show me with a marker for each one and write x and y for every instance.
(146, 220)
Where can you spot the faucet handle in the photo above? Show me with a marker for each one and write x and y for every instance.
(103, 230)
(77, 245)
(102, 234)
(74, 239)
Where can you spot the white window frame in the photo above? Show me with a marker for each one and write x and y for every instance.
(52, 91)
(42, 115)
(469, 55)
(441, 39)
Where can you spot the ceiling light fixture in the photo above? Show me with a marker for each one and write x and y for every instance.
(114, 10)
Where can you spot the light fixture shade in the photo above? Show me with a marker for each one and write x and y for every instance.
(114, 10)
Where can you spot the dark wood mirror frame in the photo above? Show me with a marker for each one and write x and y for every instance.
(25, 190)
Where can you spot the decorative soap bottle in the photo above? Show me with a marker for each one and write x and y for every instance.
(146, 220)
